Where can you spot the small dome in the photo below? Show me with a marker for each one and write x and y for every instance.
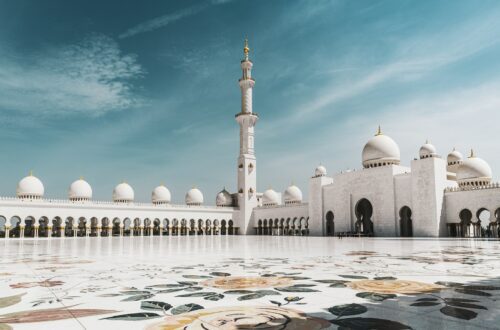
(161, 195)
(80, 190)
(474, 171)
(30, 187)
(224, 198)
(380, 150)
(270, 197)
(320, 171)
(123, 193)
(454, 157)
(293, 195)
(194, 197)
(427, 151)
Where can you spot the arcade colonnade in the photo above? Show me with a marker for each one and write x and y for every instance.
(54, 218)
(296, 226)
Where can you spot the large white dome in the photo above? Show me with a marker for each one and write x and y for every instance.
(320, 171)
(161, 195)
(194, 197)
(80, 190)
(123, 193)
(270, 197)
(454, 157)
(30, 187)
(427, 150)
(380, 150)
(474, 171)
(293, 195)
(224, 198)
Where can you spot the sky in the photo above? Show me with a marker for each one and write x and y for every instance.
(146, 92)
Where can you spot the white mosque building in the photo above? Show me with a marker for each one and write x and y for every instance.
(433, 197)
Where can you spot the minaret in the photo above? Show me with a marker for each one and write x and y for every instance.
(247, 165)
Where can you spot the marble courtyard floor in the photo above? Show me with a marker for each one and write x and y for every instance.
(237, 282)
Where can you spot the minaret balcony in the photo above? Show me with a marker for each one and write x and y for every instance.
(247, 114)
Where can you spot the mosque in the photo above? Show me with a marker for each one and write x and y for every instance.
(434, 197)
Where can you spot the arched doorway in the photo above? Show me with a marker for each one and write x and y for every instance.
(82, 227)
(223, 229)
(115, 231)
(94, 224)
(231, 229)
(68, 230)
(56, 227)
(15, 229)
(105, 227)
(127, 223)
(330, 225)
(156, 227)
(3, 221)
(43, 230)
(364, 212)
(405, 222)
(483, 216)
(465, 223)
(29, 227)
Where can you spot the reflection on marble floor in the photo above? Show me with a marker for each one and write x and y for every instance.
(249, 282)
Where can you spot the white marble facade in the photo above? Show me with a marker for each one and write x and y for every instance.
(432, 197)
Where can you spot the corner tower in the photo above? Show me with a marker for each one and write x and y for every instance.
(247, 165)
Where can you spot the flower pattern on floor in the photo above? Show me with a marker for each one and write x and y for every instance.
(205, 283)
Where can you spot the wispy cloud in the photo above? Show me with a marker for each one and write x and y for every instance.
(165, 20)
(90, 78)
(414, 58)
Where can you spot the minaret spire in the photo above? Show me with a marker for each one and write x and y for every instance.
(246, 49)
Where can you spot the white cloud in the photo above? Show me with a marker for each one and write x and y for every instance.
(91, 77)
(415, 57)
(165, 20)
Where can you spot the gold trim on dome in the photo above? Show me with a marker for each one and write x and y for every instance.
(379, 131)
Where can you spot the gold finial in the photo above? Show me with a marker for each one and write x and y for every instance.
(246, 49)
(31, 172)
(81, 177)
(454, 149)
(379, 131)
(426, 141)
(162, 184)
(471, 153)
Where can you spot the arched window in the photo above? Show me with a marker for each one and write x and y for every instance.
(330, 225)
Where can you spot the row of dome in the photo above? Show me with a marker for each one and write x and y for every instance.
(381, 150)
(31, 187)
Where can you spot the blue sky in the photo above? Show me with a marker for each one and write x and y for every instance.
(147, 91)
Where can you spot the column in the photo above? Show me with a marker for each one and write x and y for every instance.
(7, 231)
(121, 229)
(141, 230)
(63, 231)
(110, 231)
(87, 231)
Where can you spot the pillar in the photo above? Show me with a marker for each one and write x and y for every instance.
(87, 231)
(7, 231)
(36, 230)
(63, 231)
(110, 231)
(141, 230)
(121, 229)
